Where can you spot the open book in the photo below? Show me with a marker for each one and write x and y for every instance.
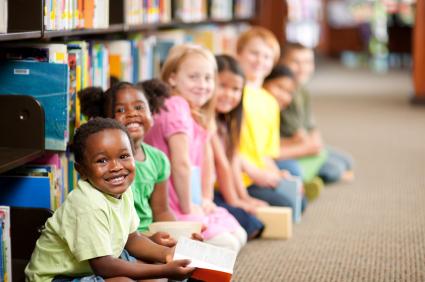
(212, 263)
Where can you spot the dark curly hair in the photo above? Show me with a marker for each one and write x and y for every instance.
(98, 103)
(156, 93)
(93, 126)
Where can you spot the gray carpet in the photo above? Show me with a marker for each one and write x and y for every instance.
(374, 228)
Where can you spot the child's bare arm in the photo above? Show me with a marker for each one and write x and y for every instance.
(262, 177)
(181, 169)
(300, 145)
(141, 247)
(110, 267)
(159, 203)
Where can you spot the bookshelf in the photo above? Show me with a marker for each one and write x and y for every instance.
(27, 25)
(419, 54)
(22, 124)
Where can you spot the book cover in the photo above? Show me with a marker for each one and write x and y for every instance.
(25, 191)
(291, 189)
(48, 83)
(6, 244)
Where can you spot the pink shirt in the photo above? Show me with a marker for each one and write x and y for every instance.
(177, 118)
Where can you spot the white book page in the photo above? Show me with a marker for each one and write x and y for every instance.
(203, 255)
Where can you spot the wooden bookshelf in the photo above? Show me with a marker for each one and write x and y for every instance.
(419, 54)
(22, 124)
(26, 22)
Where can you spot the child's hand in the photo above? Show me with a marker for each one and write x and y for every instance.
(197, 237)
(196, 210)
(163, 238)
(178, 269)
(285, 174)
(208, 206)
(257, 202)
(268, 179)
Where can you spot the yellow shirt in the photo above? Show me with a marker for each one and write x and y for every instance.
(260, 128)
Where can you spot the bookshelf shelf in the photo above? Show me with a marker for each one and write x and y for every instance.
(22, 122)
(82, 32)
(20, 35)
(11, 157)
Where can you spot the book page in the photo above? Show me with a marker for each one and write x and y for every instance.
(203, 255)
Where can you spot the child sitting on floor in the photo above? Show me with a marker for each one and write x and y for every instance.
(301, 137)
(93, 236)
(281, 84)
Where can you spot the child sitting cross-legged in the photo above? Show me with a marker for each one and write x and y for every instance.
(93, 236)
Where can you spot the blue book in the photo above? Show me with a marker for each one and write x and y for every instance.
(291, 189)
(25, 191)
(48, 83)
(196, 185)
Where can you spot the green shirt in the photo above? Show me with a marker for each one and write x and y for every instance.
(297, 115)
(154, 169)
(87, 225)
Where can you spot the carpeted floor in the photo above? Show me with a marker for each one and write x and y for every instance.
(374, 228)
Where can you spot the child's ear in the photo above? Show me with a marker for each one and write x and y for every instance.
(81, 171)
(172, 80)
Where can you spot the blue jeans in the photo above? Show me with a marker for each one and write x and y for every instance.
(252, 225)
(273, 197)
(93, 278)
(290, 165)
(335, 165)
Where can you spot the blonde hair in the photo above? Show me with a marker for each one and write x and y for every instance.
(264, 34)
(175, 58)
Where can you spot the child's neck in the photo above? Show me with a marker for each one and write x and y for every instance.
(139, 154)
(255, 83)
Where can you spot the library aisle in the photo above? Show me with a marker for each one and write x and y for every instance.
(372, 229)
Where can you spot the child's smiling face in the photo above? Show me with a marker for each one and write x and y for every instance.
(229, 91)
(194, 80)
(282, 88)
(256, 59)
(132, 110)
(108, 162)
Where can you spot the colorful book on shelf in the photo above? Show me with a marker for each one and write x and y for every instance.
(41, 52)
(3, 16)
(25, 191)
(51, 172)
(48, 83)
(6, 244)
(212, 263)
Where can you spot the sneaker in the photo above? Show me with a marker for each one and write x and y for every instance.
(313, 188)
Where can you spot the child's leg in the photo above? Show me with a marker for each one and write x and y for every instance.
(250, 223)
(225, 240)
(269, 195)
(342, 157)
(290, 165)
(241, 235)
(335, 166)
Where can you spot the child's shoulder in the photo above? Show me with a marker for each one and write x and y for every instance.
(176, 102)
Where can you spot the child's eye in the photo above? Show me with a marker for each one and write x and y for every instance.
(139, 107)
(101, 161)
(125, 156)
(120, 110)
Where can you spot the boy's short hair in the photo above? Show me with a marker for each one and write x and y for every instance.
(94, 126)
(293, 46)
(266, 35)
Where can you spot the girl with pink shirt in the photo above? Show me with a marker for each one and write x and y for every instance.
(181, 131)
